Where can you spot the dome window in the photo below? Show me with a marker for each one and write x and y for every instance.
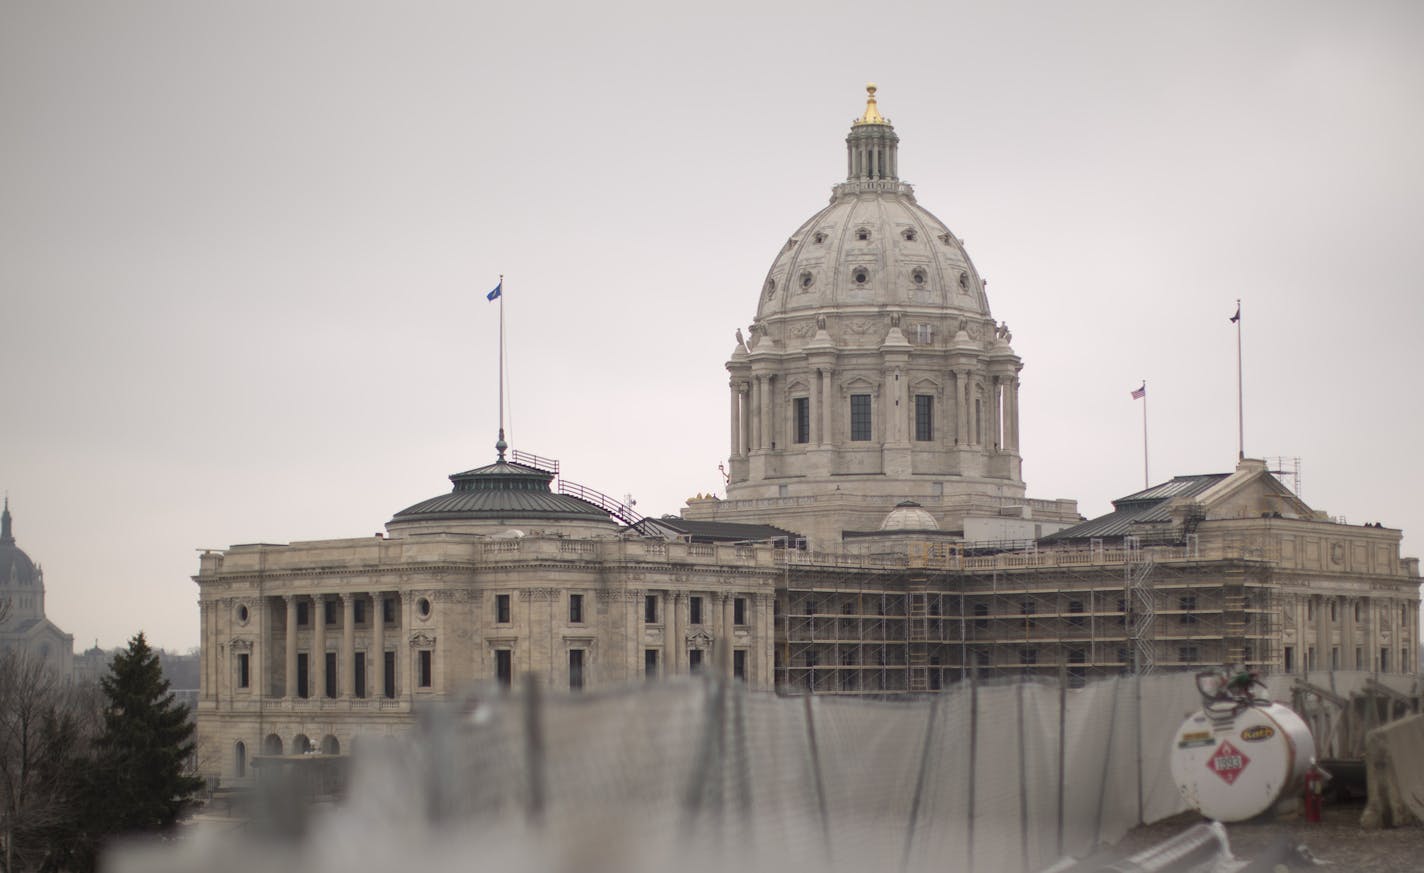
(863, 234)
(422, 606)
(909, 235)
(918, 276)
(964, 281)
(807, 279)
(242, 613)
(819, 238)
(860, 275)
(770, 287)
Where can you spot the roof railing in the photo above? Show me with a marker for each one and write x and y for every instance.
(615, 508)
(529, 459)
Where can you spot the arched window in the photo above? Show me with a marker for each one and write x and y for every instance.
(330, 745)
(272, 745)
(239, 760)
(301, 745)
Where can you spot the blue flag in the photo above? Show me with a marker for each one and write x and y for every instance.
(498, 290)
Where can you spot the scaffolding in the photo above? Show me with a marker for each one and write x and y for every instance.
(941, 615)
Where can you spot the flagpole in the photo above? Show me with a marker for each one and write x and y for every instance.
(1240, 403)
(501, 445)
(1146, 479)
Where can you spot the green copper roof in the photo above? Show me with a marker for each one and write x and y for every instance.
(503, 491)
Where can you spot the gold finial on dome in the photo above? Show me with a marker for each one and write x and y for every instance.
(872, 112)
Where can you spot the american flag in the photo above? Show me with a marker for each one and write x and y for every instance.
(1139, 393)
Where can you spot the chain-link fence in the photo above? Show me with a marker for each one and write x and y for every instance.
(693, 774)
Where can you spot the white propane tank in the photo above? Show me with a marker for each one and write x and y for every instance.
(1236, 765)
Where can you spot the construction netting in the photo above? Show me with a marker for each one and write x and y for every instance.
(1007, 778)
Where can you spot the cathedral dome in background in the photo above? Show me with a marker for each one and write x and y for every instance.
(15, 566)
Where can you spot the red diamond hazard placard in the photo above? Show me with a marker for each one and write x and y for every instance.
(1228, 762)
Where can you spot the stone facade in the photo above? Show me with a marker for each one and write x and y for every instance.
(309, 646)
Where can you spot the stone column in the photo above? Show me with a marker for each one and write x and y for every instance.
(736, 412)
(316, 661)
(403, 683)
(768, 435)
(753, 413)
(995, 436)
(291, 661)
(814, 407)
(744, 421)
(378, 644)
(346, 668)
(675, 637)
(727, 625)
(828, 405)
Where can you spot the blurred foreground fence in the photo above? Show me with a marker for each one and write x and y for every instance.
(700, 775)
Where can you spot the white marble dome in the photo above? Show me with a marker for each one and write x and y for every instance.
(909, 515)
(873, 245)
(872, 248)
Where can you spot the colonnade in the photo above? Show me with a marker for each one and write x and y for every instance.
(983, 407)
(375, 685)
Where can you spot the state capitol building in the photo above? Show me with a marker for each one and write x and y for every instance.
(876, 537)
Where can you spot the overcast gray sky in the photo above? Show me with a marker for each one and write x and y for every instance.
(244, 248)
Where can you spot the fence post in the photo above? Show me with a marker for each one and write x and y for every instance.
(973, 757)
(816, 776)
(1023, 776)
(1062, 745)
(920, 781)
(533, 750)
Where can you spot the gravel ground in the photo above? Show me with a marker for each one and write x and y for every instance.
(1338, 840)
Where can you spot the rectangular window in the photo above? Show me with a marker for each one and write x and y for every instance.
(981, 615)
(1384, 661)
(1288, 659)
(1028, 610)
(330, 677)
(1310, 658)
(1028, 657)
(388, 668)
(388, 610)
(694, 610)
(739, 664)
(358, 674)
(694, 661)
(860, 417)
(501, 608)
(303, 613)
(302, 690)
(425, 676)
(1188, 604)
(328, 611)
(650, 663)
(1334, 657)
(575, 669)
(575, 609)
(1187, 654)
(981, 661)
(1075, 613)
(924, 417)
(801, 411)
(358, 612)
(243, 676)
(650, 608)
(739, 611)
(936, 674)
(504, 667)
(1359, 657)
(1122, 608)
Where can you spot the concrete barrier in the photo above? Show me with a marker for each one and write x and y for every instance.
(1394, 774)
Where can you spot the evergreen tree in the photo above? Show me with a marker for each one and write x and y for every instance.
(140, 780)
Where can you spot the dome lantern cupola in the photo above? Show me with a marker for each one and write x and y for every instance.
(872, 148)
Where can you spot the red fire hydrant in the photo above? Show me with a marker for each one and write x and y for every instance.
(1315, 779)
